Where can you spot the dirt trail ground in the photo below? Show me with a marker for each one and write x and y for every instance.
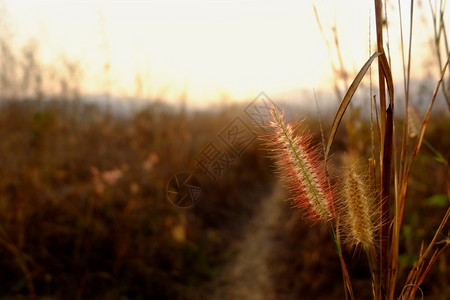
(247, 275)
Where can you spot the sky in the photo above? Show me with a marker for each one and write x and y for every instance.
(206, 51)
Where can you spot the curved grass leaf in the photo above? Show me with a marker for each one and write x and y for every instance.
(346, 101)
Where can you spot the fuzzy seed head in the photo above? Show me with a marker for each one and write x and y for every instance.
(301, 168)
(356, 211)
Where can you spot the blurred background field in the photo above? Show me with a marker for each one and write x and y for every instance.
(84, 208)
(85, 215)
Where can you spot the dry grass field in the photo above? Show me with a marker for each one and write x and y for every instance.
(84, 212)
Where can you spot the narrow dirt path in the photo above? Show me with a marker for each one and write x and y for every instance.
(247, 275)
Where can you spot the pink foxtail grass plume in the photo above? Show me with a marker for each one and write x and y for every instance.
(304, 171)
(301, 167)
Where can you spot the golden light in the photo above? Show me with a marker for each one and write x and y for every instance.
(200, 51)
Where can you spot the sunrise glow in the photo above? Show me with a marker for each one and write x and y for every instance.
(202, 51)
